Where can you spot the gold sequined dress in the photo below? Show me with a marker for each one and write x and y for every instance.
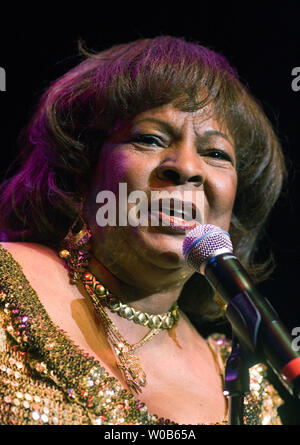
(46, 379)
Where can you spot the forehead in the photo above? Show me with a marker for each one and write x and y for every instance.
(170, 117)
(201, 117)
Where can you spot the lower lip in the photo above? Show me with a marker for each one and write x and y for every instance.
(173, 223)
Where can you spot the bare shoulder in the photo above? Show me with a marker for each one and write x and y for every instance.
(34, 258)
(29, 251)
(15, 246)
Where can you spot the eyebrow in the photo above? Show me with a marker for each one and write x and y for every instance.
(210, 133)
(175, 131)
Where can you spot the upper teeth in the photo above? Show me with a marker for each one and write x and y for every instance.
(187, 215)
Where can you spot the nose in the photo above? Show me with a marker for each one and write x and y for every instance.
(184, 166)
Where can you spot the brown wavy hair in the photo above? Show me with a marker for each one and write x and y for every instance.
(60, 145)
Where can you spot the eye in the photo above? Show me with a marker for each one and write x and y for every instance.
(149, 140)
(218, 154)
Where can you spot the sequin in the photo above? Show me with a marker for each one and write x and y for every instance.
(35, 415)
(97, 421)
(61, 385)
(44, 418)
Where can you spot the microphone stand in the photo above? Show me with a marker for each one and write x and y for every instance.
(236, 383)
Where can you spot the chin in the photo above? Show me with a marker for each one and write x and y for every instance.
(162, 248)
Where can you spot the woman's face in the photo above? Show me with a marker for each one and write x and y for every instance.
(163, 150)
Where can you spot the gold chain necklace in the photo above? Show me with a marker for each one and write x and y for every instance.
(153, 321)
(75, 251)
(129, 363)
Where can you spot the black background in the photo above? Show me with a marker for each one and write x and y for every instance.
(261, 42)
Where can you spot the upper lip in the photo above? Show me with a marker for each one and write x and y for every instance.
(187, 209)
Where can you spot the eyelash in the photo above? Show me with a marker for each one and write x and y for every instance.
(142, 138)
(213, 152)
(220, 154)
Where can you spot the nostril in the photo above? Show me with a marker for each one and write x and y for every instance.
(197, 180)
(178, 176)
(170, 175)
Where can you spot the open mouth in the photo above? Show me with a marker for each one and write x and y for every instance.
(175, 213)
(180, 209)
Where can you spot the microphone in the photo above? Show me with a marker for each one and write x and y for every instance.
(208, 250)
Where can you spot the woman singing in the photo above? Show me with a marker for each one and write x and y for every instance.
(94, 320)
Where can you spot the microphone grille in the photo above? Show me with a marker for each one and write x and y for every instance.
(202, 242)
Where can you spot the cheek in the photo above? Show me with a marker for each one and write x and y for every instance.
(220, 193)
(115, 166)
(112, 168)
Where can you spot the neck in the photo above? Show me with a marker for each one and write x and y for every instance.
(155, 302)
(152, 299)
